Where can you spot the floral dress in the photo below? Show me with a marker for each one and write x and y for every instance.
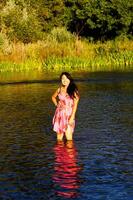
(63, 113)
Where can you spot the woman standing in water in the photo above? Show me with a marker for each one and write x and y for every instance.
(66, 99)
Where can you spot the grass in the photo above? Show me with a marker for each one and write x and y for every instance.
(77, 55)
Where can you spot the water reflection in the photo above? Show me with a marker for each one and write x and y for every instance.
(65, 178)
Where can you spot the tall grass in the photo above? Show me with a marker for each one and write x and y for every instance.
(61, 50)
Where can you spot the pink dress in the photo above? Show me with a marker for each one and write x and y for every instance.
(63, 113)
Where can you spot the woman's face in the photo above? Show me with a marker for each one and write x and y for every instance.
(65, 81)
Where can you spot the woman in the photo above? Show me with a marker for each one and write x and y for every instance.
(66, 98)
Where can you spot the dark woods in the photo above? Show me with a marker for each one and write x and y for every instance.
(31, 20)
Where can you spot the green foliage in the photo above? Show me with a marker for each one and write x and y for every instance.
(100, 19)
(1, 40)
(70, 55)
(27, 30)
(61, 35)
(28, 20)
(20, 24)
(50, 14)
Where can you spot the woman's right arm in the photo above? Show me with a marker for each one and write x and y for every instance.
(54, 96)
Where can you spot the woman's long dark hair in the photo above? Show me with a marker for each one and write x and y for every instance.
(72, 88)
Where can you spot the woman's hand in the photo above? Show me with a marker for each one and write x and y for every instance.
(54, 96)
(71, 121)
(62, 104)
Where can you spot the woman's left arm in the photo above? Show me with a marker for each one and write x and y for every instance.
(76, 100)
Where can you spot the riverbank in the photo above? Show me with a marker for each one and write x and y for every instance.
(71, 55)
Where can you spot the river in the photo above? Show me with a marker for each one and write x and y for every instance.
(97, 165)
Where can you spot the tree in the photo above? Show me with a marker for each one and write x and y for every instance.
(19, 23)
(50, 14)
(27, 20)
(100, 19)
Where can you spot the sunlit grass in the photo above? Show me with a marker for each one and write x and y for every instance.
(68, 55)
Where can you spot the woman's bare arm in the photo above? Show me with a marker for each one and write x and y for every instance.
(76, 100)
(54, 96)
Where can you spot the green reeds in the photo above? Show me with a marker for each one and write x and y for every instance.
(74, 54)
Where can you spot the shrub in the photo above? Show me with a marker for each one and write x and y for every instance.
(61, 34)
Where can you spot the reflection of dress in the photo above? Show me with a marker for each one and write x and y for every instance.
(63, 113)
(66, 169)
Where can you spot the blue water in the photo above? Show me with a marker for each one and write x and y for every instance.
(97, 165)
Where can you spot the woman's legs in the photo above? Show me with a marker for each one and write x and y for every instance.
(69, 133)
(60, 136)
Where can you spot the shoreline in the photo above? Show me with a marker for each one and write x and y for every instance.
(19, 78)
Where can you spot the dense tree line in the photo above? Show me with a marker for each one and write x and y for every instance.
(30, 20)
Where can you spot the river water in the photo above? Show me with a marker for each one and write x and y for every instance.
(97, 165)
